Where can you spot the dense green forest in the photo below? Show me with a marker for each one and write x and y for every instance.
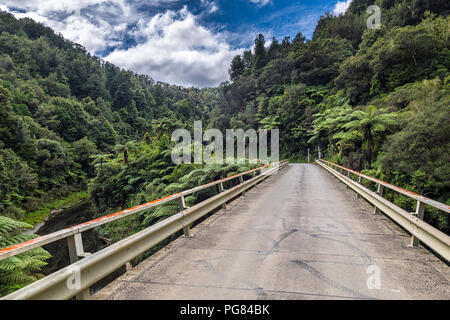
(65, 111)
(371, 99)
(74, 126)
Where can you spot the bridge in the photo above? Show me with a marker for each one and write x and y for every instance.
(285, 231)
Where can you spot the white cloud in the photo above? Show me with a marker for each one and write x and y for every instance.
(57, 5)
(341, 7)
(171, 47)
(174, 48)
(94, 34)
(94, 37)
(90, 29)
(210, 6)
(213, 8)
(261, 2)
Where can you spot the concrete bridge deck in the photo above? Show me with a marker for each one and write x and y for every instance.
(299, 235)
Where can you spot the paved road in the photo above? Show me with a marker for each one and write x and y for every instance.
(299, 235)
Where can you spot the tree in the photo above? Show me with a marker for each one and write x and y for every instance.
(184, 108)
(165, 126)
(69, 115)
(318, 62)
(370, 123)
(274, 50)
(100, 159)
(421, 149)
(124, 93)
(55, 165)
(270, 122)
(17, 182)
(299, 40)
(125, 149)
(12, 130)
(83, 149)
(102, 133)
(237, 68)
(400, 56)
(247, 59)
(260, 52)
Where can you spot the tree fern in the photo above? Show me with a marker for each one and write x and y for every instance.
(192, 175)
(24, 268)
(174, 188)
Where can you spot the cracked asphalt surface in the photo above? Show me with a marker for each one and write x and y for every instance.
(298, 235)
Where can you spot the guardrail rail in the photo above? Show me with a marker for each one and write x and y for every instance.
(412, 222)
(86, 269)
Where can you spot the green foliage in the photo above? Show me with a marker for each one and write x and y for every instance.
(22, 269)
(17, 182)
(37, 216)
(420, 151)
(348, 26)
(361, 96)
(369, 123)
(150, 175)
(260, 52)
(60, 107)
(401, 56)
(237, 67)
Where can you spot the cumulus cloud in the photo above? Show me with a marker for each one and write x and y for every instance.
(175, 48)
(171, 46)
(94, 37)
(92, 31)
(341, 7)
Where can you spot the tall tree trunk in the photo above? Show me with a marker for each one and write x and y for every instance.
(370, 138)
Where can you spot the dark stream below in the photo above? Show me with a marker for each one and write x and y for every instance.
(92, 242)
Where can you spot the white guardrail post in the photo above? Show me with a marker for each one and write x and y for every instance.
(76, 252)
(420, 211)
(182, 207)
(379, 191)
(241, 180)
(359, 182)
(221, 189)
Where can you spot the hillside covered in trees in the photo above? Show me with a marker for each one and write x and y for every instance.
(63, 111)
(73, 126)
(371, 99)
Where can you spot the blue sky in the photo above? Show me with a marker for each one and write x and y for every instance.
(189, 43)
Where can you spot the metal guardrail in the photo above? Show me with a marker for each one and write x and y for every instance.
(412, 222)
(87, 269)
(67, 232)
(436, 204)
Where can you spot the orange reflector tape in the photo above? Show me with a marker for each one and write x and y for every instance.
(64, 233)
